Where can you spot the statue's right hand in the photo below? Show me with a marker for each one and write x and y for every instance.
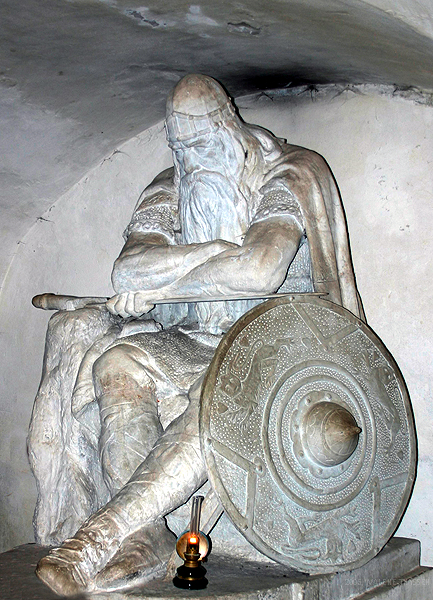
(129, 304)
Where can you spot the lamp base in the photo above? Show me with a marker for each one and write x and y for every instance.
(190, 578)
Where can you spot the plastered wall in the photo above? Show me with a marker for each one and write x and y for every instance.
(379, 147)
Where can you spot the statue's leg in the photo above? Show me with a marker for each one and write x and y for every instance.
(108, 542)
(172, 471)
(129, 412)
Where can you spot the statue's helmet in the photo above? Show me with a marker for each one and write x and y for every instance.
(196, 106)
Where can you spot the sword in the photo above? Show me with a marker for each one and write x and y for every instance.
(62, 302)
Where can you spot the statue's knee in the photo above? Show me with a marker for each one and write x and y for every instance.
(112, 360)
(119, 362)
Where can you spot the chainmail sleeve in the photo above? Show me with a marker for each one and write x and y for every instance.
(277, 200)
(156, 213)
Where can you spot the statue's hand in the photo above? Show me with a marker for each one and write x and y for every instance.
(130, 304)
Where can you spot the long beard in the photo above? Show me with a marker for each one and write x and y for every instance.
(211, 207)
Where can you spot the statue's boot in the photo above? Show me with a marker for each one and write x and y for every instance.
(69, 569)
(58, 570)
(142, 556)
(172, 472)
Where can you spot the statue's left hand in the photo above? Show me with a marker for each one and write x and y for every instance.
(130, 304)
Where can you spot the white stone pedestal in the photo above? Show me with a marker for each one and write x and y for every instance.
(395, 574)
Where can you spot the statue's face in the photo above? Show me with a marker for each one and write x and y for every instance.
(217, 152)
(211, 202)
(197, 154)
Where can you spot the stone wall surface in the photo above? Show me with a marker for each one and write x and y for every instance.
(379, 146)
(417, 13)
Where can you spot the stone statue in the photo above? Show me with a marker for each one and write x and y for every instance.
(114, 435)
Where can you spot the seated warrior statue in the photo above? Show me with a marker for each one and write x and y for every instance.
(242, 213)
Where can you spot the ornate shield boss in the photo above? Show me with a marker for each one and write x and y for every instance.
(308, 434)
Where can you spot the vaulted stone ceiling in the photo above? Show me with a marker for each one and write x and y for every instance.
(78, 77)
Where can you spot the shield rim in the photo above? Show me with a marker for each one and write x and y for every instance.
(205, 410)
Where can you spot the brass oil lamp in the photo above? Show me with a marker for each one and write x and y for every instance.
(192, 546)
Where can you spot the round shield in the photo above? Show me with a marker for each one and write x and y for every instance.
(308, 435)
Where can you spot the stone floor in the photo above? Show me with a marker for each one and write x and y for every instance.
(394, 574)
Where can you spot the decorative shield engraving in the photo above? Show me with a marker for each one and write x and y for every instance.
(308, 435)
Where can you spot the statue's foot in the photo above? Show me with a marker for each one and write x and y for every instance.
(143, 556)
(63, 568)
